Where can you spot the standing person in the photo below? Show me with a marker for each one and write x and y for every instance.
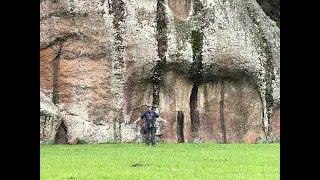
(150, 128)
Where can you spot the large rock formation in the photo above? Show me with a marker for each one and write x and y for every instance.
(211, 67)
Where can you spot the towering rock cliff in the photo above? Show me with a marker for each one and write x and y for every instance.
(211, 67)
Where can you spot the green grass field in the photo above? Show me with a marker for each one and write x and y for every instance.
(164, 161)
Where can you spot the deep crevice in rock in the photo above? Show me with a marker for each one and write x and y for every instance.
(162, 49)
(194, 113)
(196, 72)
(56, 69)
(180, 126)
(56, 62)
(117, 7)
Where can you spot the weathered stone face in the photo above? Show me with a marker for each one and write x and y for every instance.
(174, 96)
(215, 62)
(230, 111)
(50, 120)
(275, 125)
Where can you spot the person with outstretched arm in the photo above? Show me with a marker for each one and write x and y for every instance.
(150, 128)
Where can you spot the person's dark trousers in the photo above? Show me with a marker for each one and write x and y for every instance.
(150, 131)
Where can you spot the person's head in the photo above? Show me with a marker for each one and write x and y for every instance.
(149, 107)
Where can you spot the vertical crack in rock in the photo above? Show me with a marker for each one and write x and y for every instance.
(162, 49)
(115, 135)
(120, 135)
(55, 81)
(196, 71)
(180, 125)
(116, 7)
(56, 64)
(194, 113)
(222, 122)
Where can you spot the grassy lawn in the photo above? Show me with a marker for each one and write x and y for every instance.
(164, 161)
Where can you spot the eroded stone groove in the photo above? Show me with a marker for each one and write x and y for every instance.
(196, 76)
(58, 41)
(196, 68)
(117, 8)
(162, 49)
(120, 134)
(180, 125)
(56, 69)
(222, 122)
(196, 73)
(194, 113)
(118, 11)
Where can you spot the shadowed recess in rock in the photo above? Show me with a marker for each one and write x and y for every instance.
(180, 124)
(56, 68)
(162, 49)
(195, 71)
(61, 136)
(194, 113)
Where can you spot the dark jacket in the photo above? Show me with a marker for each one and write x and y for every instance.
(150, 118)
